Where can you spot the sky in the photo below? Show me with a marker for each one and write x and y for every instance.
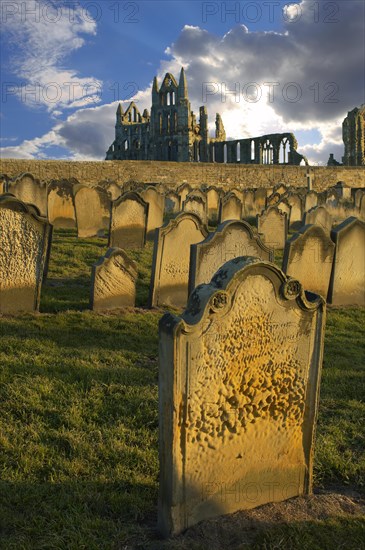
(265, 66)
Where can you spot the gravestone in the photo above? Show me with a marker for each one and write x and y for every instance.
(230, 208)
(362, 208)
(272, 225)
(183, 190)
(308, 257)
(248, 203)
(213, 197)
(171, 257)
(128, 224)
(61, 208)
(347, 285)
(196, 205)
(156, 206)
(358, 196)
(319, 215)
(24, 250)
(172, 202)
(28, 189)
(231, 240)
(280, 188)
(238, 394)
(311, 200)
(113, 281)
(284, 206)
(296, 212)
(273, 199)
(89, 211)
(260, 200)
(105, 205)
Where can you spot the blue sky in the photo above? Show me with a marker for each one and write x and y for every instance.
(293, 67)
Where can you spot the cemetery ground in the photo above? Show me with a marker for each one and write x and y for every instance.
(79, 428)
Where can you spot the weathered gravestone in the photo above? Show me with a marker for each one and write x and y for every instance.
(196, 205)
(347, 285)
(113, 281)
(24, 250)
(28, 189)
(248, 203)
(128, 222)
(183, 190)
(231, 240)
(311, 200)
(171, 257)
(308, 257)
(273, 227)
(213, 196)
(156, 206)
(238, 394)
(172, 202)
(260, 200)
(296, 212)
(89, 211)
(61, 208)
(230, 208)
(284, 206)
(319, 215)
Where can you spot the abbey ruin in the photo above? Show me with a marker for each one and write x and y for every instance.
(171, 132)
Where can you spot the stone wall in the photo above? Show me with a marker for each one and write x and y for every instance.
(92, 172)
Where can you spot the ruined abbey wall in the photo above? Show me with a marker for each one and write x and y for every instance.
(92, 172)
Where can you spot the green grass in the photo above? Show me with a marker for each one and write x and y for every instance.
(79, 419)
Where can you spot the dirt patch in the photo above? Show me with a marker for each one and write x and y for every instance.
(240, 531)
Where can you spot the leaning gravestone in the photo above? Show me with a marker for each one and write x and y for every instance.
(319, 215)
(128, 222)
(113, 281)
(171, 257)
(156, 206)
(230, 208)
(308, 257)
(25, 246)
(183, 190)
(89, 211)
(347, 285)
(231, 240)
(273, 226)
(28, 189)
(238, 394)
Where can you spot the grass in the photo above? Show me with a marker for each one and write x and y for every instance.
(79, 420)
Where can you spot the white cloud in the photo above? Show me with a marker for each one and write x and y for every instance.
(43, 34)
(307, 53)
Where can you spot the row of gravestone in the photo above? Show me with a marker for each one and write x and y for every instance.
(185, 255)
(69, 204)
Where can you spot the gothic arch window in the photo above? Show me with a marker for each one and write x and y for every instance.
(160, 122)
(268, 152)
(175, 121)
(238, 152)
(126, 145)
(130, 116)
(168, 122)
(252, 150)
(225, 152)
(168, 98)
(283, 151)
(173, 98)
(134, 114)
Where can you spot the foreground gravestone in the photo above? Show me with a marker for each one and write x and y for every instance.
(113, 281)
(171, 257)
(347, 285)
(308, 257)
(272, 224)
(24, 250)
(238, 394)
(128, 222)
(28, 189)
(231, 240)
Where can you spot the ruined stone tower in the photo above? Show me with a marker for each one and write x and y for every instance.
(170, 132)
(353, 133)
